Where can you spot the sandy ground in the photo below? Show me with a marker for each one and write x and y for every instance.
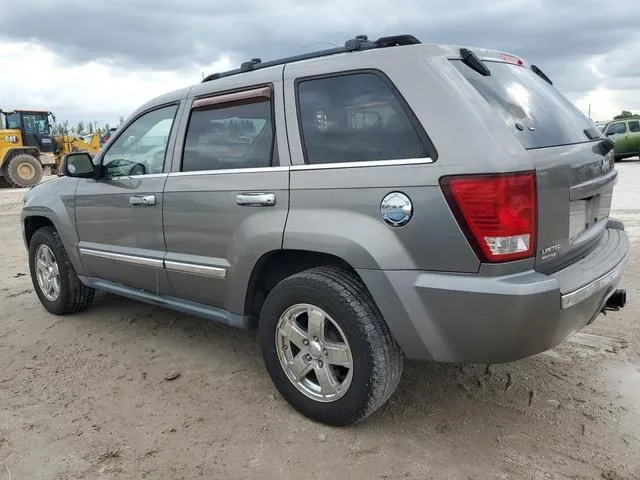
(86, 397)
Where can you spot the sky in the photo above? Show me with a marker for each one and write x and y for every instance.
(99, 60)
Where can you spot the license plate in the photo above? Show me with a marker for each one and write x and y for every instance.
(583, 214)
(577, 217)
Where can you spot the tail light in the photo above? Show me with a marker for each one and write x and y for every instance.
(498, 213)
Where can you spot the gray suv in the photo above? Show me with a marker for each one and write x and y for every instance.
(357, 205)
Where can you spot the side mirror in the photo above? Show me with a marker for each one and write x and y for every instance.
(78, 165)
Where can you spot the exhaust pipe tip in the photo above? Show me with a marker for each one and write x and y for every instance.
(617, 300)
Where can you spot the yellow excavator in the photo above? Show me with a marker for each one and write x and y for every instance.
(29, 150)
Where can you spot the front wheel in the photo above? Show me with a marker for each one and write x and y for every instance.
(327, 348)
(53, 276)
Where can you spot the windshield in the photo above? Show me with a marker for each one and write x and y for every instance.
(538, 114)
(35, 123)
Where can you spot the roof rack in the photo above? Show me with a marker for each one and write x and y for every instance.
(359, 43)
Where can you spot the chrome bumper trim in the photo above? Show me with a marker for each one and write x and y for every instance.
(607, 280)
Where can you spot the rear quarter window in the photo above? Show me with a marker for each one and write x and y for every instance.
(355, 117)
(535, 111)
(634, 126)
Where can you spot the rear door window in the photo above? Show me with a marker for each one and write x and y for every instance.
(634, 126)
(535, 111)
(230, 136)
(355, 117)
(617, 128)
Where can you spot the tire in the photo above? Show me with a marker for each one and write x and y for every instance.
(73, 296)
(376, 358)
(4, 183)
(23, 170)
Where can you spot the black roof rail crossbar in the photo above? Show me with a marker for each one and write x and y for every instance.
(361, 42)
(248, 66)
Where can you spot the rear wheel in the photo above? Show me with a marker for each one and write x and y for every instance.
(327, 347)
(23, 170)
(53, 276)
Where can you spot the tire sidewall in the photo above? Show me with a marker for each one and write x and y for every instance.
(46, 237)
(289, 293)
(12, 170)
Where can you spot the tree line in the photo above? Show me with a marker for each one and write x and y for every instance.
(626, 114)
(237, 126)
(82, 128)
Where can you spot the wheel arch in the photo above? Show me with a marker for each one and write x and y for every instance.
(13, 152)
(277, 265)
(33, 223)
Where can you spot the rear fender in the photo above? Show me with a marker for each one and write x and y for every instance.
(11, 152)
(360, 240)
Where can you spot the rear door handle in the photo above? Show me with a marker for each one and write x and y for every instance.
(142, 200)
(262, 199)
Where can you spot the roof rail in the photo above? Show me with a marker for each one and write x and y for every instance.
(360, 42)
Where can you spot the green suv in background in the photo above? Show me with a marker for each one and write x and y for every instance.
(626, 134)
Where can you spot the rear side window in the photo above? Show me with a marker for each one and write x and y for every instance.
(229, 136)
(538, 114)
(634, 126)
(616, 128)
(355, 117)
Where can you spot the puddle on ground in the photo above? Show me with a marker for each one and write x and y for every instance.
(623, 384)
(594, 341)
(633, 232)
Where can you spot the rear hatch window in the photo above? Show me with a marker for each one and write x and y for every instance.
(538, 114)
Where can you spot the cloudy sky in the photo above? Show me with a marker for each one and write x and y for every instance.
(95, 60)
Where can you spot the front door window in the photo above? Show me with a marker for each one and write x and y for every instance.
(141, 147)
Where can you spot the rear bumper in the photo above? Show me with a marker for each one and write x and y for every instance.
(469, 318)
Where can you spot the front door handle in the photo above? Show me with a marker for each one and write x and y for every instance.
(262, 199)
(143, 200)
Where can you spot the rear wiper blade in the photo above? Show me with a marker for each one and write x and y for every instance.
(471, 60)
(541, 74)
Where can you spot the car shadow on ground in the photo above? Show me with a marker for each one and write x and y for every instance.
(425, 386)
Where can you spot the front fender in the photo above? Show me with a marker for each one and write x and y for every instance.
(54, 200)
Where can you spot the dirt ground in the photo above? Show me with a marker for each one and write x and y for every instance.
(86, 397)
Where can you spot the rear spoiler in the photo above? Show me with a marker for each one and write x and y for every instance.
(473, 61)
